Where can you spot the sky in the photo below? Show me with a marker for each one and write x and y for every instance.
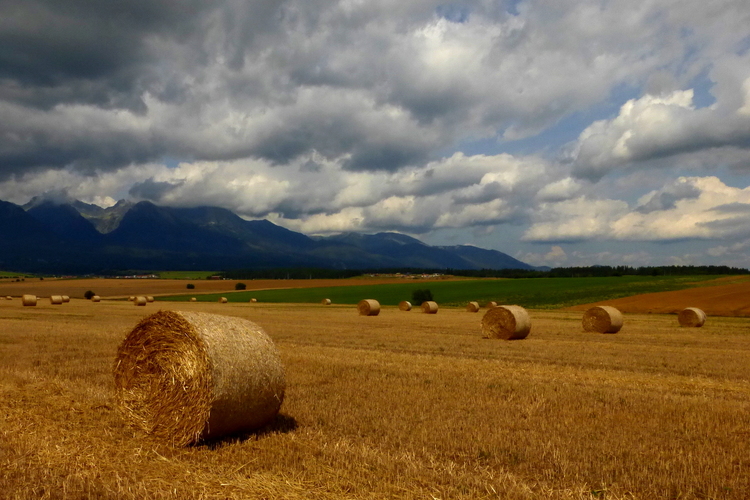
(564, 133)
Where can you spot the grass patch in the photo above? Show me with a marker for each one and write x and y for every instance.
(537, 293)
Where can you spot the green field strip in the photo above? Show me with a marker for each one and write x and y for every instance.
(538, 293)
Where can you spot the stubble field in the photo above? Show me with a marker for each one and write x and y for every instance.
(402, 405)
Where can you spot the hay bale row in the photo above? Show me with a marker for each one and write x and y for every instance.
(368, 307)
(404, 305)
(691, 317)
(186, 376)
(602, 319)
(28, 300)
(506, 322)
(429, 307)
(472, 307)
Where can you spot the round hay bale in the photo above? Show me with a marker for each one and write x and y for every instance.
(490, 304)
(472, 307)
(326, 302)
(131, 298)
(193, 299)
(691, 317)
(187, 376)
(404, 305)
(253, 300)
(28, 300)
(149, 298)
(66, 299)
(602, 319)
(429, 307)
(8, 298)
(140, 301)
(96, 298)
(223, 300)
(506, 322)
(56, 299)
(368, 307)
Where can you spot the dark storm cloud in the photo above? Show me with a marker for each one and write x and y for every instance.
(152, 190)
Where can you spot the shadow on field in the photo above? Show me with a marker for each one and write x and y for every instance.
(281, 424)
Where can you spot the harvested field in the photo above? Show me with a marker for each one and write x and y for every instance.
(123, 288)
(406, 406)
(722, 297)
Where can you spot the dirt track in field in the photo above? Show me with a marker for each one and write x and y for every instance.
(723, 297)
(114, 288)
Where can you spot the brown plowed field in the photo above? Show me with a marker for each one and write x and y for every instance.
(723, 297)
(113, 288)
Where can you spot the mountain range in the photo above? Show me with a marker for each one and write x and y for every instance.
(69, 236)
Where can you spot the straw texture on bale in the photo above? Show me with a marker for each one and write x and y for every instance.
(223, 300)
(188, 376)
(140, 301)
(56, 299)
(66, 298)
(491, 304)
(326, 302)
(691, 317)
(28, 300)
(96, 298)
(193, 299)
(429, 307)
(404, 305)
(149, 298)
(506, 322)
(602, 319)
(368, 307)
(472, 307)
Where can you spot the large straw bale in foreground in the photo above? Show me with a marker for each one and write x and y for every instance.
(188, 376)
(472, 307)
(140, 301)
(368, 307)
(506, 322)
(404, 305)
(429, 307)
(691, 317)
(56, 299)
(28, 300)
(602, 319)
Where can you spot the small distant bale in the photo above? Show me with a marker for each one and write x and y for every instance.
(66, 299)
(223, 300)
(56, 300)
(429, 307)
(149, 298)
(8, 298)
(602, 319)
(28, 300)
(490, 304)
(96, 298)
(404, 305)
(185, 377)
(253, 300)
(691, 317)
(472, 307)
(506, 322)
(326, 302)
(368, 307)
(131, 298)
(140, 301)
(193, 299)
